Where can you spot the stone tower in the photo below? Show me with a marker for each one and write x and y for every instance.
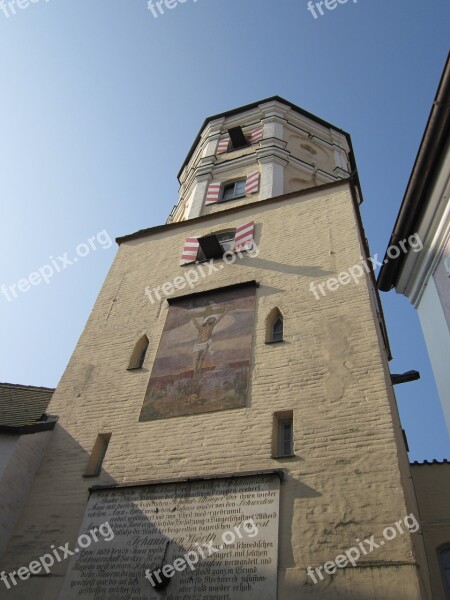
(228, 409)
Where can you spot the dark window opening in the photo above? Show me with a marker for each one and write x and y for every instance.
(274, 327)
(283, 434)
(95, 462)
(237, 137)
(285, 438)
(141, 359)
(209, 247)
(215, 245)
(277, 330)
(138, 357)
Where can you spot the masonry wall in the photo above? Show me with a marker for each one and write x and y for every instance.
(344, 481)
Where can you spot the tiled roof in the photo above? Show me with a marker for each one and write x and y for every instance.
(431, 462)
(22, 405)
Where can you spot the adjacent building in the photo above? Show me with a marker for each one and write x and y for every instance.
(424, 277)
(432, 486)
(25, 429)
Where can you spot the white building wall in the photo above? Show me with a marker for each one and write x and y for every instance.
(437, 338)
(20, 457)
(7, 446)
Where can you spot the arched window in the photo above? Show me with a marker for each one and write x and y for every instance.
(277, 330)
(139, 352)
(274, 326)
(444, 559)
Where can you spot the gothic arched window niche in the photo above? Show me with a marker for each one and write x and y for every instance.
(139, 352)
(274, 326)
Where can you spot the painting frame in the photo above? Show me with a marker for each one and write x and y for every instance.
(204, 355)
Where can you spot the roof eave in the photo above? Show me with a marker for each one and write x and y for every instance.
(28, 428)
(425, 169)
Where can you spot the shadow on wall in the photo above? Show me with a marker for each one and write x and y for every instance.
(354, 583)
(51, 518)
(294, 491)
(270, 265)
(115, 541)
(141, 529)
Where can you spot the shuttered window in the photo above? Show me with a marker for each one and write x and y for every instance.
(223, 145)
(190, 251)
(212, 195)
(253, 137)
(252, 184)
(244, 236)
(256, 135)
(240, 239)
(234, 190)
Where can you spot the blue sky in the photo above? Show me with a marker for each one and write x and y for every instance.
(101, 102)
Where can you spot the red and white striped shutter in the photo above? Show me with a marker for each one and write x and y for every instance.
(223, 144)
(252, 183)
(190, 251)
(243, 239)
(212, 195)
(256, 135)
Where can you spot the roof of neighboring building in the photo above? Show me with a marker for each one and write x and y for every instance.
(431, 462)
(22, 406)
(253, 105)
(426, 167)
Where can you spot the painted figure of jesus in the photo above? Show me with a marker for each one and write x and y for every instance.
(205, 330)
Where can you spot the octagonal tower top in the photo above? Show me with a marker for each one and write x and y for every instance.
(259, 151)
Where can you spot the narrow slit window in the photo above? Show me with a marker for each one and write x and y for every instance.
(283, 435)
(95, 462)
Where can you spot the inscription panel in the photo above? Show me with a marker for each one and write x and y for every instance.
(225, 531)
